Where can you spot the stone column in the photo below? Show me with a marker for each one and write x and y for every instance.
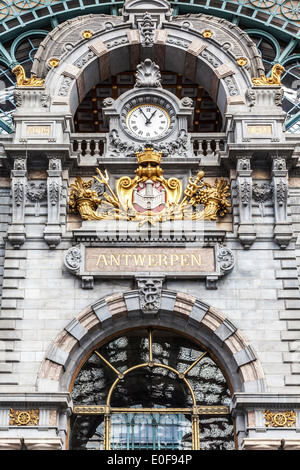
(283, 232)
(17, 232)
(53, 230)
(246, 231)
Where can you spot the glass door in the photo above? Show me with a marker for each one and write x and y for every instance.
(153, 430)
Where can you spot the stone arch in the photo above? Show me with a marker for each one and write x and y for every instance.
(179, 312)
(213, 52)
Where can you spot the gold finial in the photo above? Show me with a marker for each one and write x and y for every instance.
(276, 73)
(53, 62)
(148, 156)
(207, 33)
(26, 82)
(242, 61)
(87, 34)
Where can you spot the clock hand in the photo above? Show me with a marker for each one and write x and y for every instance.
(142, 112)
(149, 120)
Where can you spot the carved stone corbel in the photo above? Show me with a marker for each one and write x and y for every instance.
(150, 289)
(17, 232)
(53, 230)
(283, 232)
(246, 230)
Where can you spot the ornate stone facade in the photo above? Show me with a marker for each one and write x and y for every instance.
(224, 274)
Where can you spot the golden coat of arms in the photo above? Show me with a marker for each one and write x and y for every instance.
(149, 197)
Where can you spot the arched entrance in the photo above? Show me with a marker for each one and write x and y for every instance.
(151, 389)
(186, 319)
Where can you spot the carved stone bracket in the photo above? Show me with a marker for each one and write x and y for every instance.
(150, 289)
(148, 75)
(147, 29)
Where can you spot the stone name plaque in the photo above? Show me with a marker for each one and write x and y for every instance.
(38, 131)
(208, 262)
(262, 130)
(158, 260)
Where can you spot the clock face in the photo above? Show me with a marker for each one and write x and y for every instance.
(148, 121)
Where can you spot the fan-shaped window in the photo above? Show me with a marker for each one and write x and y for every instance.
(151, 389)
(88, 118)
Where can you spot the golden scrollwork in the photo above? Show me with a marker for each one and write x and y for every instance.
(276, 73)
(201, 201)
(280, 419)
(22, 81)
(24, 417)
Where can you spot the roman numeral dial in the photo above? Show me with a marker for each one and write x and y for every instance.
(148, 121)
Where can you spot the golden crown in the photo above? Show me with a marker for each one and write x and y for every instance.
(148, 156)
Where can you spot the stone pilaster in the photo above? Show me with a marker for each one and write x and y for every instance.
(246, 231)
(283, 232)
(52, 232)
(17, 232)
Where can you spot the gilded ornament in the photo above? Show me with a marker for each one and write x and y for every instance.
(24, 417)
(276, 73)
(149, 197)
(87, 34)
(54, 62)
(242, 61)
(207, 33)
(280, 419)
(22, 81)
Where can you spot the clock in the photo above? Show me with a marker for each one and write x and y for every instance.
(148, 121)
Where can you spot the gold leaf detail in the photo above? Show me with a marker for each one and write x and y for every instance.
(22, 81)
(276, 73)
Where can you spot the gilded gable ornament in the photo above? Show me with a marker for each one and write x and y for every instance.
(276, 73)
(149, 196)
(23, 81)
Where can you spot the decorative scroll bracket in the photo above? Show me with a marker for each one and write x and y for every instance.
(150, 289)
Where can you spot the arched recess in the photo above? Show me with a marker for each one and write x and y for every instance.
(223, 61)
(179, 312)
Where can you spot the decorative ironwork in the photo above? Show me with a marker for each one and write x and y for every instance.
(149, 197)
(276, 73)
(291, 10)
(280, 419)
(24, 417)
